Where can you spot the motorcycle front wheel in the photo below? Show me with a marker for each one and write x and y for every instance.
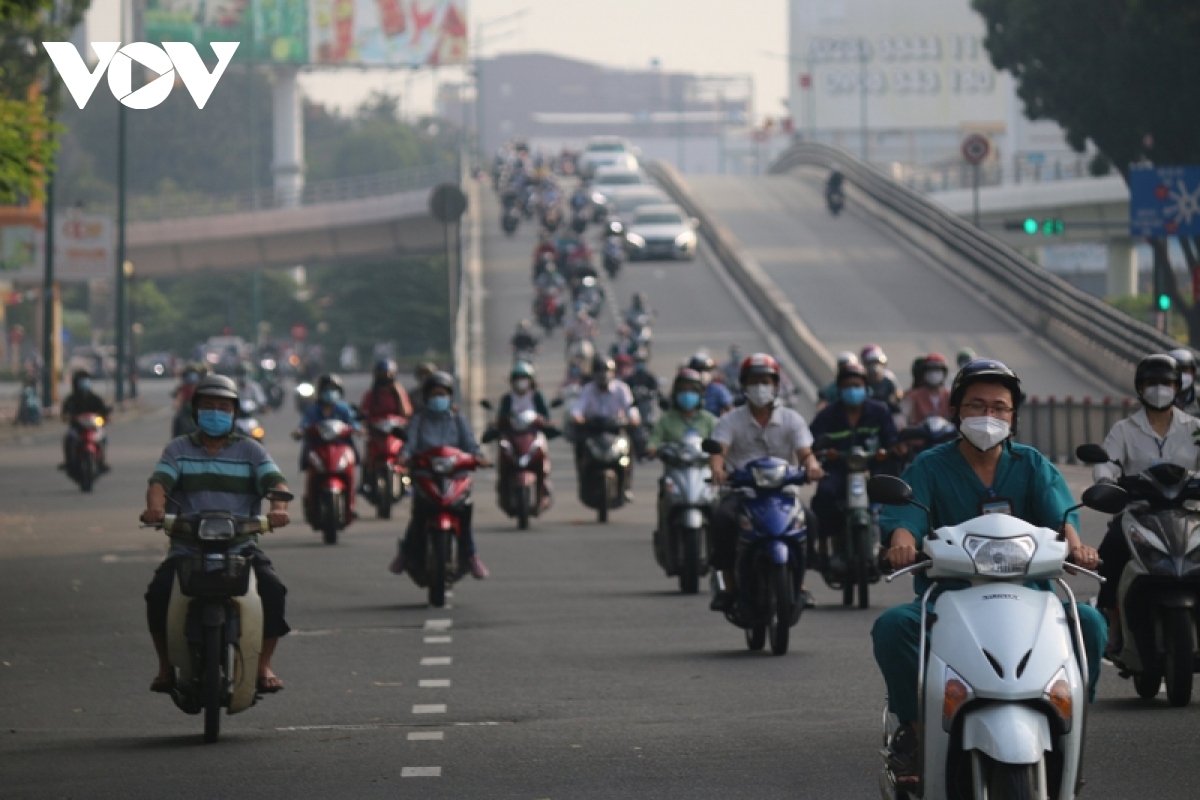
(689, 567)
(211, 684)
(781, 605)
(1007, 781)
(87, 473)
(1179, 632)
(437, 576)
(329, 518)
(523, 503)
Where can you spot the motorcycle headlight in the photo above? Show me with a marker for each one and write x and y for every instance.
(217, 529)
(1149, 548)
(1001, 558)
(599, 199)
(769, 477)
(858, 485)
(620, 445)
(305, 390)
(443, 465)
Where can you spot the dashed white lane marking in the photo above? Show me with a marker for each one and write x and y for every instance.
(437, 661)
(427, 736)
(438, 624)
(435, 683)
(438, 639)
(431, 708)
(421, 772)
(113, 558)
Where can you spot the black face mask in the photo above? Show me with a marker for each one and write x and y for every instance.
(382, 381)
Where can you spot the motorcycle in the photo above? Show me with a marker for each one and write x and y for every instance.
(549, 309)
(919, 438)
(603, 465)
(521, 490)
(443, 483)
(510, 220)
(329, 494)
(215, 619)
(29, 408)
(647, 402)
(247, 423)
(1159, 589)
(859, 539)
(579, 221)
(305, 395)
(271, 382)
(1002, 691)
(86, 449)
(590, 297)
(614, 255)
(771, 551)
(684, 505)
(552, 219)
(387, 481)
(640, 333)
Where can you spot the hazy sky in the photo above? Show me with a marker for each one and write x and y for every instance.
(691, 35)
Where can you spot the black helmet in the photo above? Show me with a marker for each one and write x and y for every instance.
(986, 370)
(330, 381)
(600, 365)
(702, 362)
(80, 374)
(385, 367)
(215, 386)
(1158, 367)
(438, 380)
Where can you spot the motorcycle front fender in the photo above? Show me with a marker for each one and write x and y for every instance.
(692, 518)
(779, 553)
(1008, 732)
(526, 478)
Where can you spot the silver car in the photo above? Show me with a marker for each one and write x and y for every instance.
(624, 201)
(662, 231)
(607, 151)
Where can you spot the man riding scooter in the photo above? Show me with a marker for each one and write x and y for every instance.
(386, 398)
(82, 400)
(215, 469)
(329, 405)
(524, 397)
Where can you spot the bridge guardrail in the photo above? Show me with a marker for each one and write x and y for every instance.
(1106, 340)
(154, 209)
(1056, 426)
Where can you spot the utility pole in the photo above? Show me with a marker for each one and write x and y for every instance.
(862, 91)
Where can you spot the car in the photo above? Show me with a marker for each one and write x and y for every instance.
(623, 201)
(607, 151)
(606, 180)
(661, 231)
(155, 365)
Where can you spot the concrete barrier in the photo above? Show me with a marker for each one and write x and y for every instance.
(767, 297)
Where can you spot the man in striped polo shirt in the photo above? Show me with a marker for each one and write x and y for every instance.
(215, 469)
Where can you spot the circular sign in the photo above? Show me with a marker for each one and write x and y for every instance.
(447, 203)
(975, 148)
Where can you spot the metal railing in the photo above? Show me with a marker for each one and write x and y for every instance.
(1057, 426)
(151, 208)
(949, 177)
(1106, 340)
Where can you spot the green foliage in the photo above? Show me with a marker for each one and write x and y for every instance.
(1115, 72)
(26, 148)
(1142, 307)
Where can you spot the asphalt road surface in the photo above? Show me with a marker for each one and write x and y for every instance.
(852, 283)
(575, 671)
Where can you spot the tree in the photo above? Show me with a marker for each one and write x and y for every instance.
(1117, 73)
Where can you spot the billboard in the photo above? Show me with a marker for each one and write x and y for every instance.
(269, 30)
(398, 33)
(923, 66)
(1164, 201)
(83, 249)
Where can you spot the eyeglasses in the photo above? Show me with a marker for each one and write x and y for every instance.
(978, 408)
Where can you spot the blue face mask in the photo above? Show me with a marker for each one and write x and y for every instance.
(330, 396)
(854, 395)
(639, 367)
(85, 385)
(439, 404)
(191, 377)
(213, 422)
(687, 400)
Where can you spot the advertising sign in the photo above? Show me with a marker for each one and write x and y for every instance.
(83, 249)
(1164, 201)
(270, 30)
(409, 33)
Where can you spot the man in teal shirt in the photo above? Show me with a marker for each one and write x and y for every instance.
(982, 472)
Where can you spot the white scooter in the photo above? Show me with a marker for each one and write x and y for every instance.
(1002, 694)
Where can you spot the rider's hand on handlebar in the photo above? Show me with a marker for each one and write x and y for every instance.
(152, 516)
(278, 517)
(903, 551)
(483, 461)
(1085, 556)
(815, 473)
(296, 434)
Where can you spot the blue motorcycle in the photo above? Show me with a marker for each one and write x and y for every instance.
(771, 552)
(29, 407)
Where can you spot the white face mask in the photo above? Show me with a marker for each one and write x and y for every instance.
(984, 432)
(1158, 398)
(1188, 379)
(521, 385)
(935, 377)
(760, 395)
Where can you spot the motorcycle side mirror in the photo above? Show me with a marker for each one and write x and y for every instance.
(1092, 454)
(486, 404)
(557, 403)
(889, 491)
(551, 433)
(1107, 498)
(279, 496)
(712, 447)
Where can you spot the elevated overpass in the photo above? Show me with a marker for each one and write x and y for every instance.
(344, 221)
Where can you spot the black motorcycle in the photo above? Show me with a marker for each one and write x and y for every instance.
(853, 564)
(603, 464)
(1159, 589)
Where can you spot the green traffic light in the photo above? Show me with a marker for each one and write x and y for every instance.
(1052, 227)
(1164, 302)
(1031, 226)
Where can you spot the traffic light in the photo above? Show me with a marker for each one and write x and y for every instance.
(1164, 302)
(1031, 226)
(1051, 226)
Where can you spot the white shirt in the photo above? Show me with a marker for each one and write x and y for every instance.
(1136, 447)
(745, 440)
(522, 402)
(616, 402)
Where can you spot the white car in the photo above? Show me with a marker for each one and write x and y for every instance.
(608, 180)
(624, 201)
(607, 151)
(662, 231)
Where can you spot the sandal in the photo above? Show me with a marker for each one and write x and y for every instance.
(268, 684)
(163, 684)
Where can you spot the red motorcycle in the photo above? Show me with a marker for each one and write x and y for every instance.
(442, 476)
(329, 494)
(521, 484)
(86, 449)
(388, 481)
(548, 308)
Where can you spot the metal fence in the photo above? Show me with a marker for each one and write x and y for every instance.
(948, 177)
(1057, 426)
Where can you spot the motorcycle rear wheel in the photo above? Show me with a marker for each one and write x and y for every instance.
(1180, 644)
(781, 604)
(756, 637)
(689, 568)
(437, 578)
(211, 684)
(383, 497)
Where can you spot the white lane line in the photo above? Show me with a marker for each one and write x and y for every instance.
(431, 708)
(438, 624)
(438, 639)
(437, 661)
(435, 683)
(421, 772)
(427, 736)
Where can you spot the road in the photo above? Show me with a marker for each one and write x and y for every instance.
(852, 283)
(576, 670)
